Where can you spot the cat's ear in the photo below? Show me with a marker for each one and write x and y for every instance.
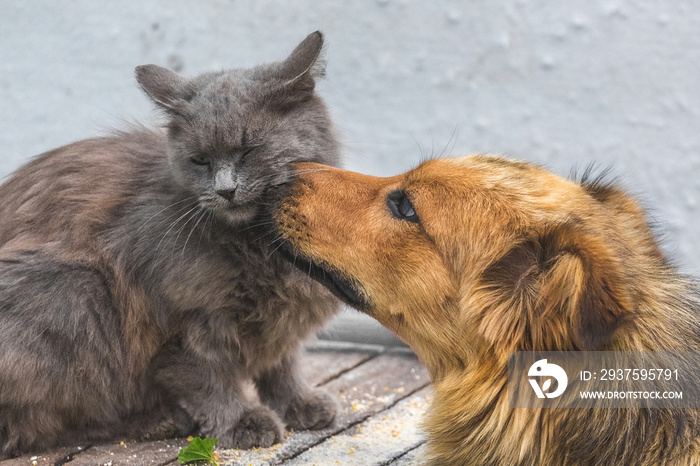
(162, 85)
(299, 71)
(305, 59)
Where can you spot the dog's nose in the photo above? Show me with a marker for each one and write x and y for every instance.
(226, 193)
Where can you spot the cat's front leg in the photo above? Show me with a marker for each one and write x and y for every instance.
(282, 388)
(212, 393)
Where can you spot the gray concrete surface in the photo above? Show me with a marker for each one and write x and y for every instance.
(565, 84)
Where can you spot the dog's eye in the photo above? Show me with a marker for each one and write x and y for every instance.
(400, 206)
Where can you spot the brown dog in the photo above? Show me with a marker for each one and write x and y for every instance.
(467, 259)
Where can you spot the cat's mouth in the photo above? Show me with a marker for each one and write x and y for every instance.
(345, 289)
(235, 214)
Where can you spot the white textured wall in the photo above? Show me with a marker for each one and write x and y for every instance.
(560, 83)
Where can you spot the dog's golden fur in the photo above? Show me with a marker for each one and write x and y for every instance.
(506, 256)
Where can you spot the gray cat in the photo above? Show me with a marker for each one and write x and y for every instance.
(138, 297)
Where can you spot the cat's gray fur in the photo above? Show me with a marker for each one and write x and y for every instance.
(137, 296)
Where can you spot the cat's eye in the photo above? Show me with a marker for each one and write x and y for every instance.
(248, 151)
(401, 207)
(200, 160)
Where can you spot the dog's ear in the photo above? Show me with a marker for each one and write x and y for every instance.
(561, 289)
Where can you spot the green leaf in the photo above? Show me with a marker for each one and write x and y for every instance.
(199, 449)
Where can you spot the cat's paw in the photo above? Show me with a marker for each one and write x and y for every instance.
(317, 409)
(257, 427)
(176, 423)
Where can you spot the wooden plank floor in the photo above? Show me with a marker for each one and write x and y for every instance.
(383, 393)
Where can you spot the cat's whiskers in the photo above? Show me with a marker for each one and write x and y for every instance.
(193, 214)
(167, 232)
(262, 236)
(201, 213)
(159, 225)
(275, 250)
(209, 214)
(257, 225)
(163, 210)
(269, 244)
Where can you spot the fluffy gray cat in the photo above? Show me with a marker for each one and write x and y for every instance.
(137, 295)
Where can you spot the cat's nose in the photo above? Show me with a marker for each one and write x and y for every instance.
(226, 193)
